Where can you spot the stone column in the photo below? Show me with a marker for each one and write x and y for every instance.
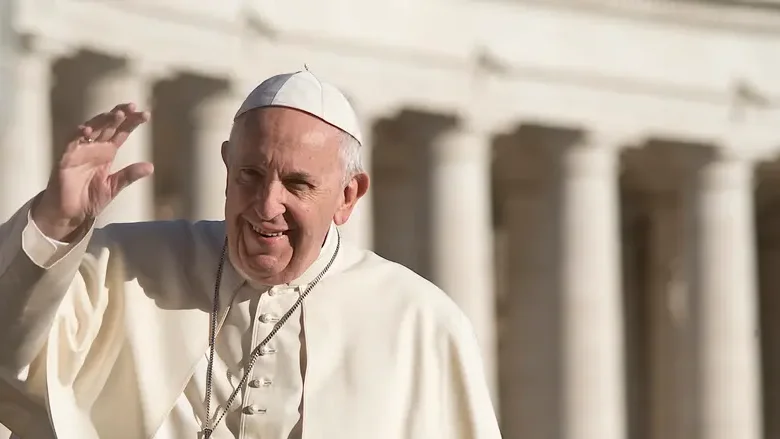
(213, 119)
(591, 303)
(128, 83)
(723, 280)
(26, 148)
(462, 232)
(359, 229)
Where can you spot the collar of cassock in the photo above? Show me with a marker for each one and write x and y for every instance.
(326, 253)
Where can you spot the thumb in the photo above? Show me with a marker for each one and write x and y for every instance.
(129, 175)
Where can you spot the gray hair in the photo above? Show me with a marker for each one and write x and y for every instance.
(351, 156)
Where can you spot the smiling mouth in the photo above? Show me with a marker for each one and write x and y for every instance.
(266, 234)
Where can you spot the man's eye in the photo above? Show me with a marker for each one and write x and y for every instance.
(248, 174)
(300, 185)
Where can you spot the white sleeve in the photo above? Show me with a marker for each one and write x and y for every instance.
(41, 249)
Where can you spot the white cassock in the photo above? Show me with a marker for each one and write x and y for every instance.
(108, 338)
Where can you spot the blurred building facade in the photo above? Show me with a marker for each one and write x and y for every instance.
(594, 182)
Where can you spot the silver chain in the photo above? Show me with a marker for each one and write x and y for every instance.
(209, 428)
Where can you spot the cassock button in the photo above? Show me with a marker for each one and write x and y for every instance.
(266, 350)
(267, 318)
(260, 382)
(253, 410)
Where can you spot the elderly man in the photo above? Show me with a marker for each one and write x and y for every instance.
(264, 325)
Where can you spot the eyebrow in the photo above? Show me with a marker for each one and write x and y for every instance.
(257, 162)
(301, 175)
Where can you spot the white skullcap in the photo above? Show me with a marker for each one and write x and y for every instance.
(303, 91)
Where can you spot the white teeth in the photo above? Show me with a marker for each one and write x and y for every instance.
(268, 235)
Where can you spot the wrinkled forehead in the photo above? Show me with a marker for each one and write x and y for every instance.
(282, 128)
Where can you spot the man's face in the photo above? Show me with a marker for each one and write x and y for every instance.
(285, 185)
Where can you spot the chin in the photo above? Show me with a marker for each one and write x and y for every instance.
(264, 266)
(253, 273)
(265, 269)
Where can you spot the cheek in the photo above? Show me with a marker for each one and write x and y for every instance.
(298, 214)
(316, 213)
(237, 200)
(304, 214)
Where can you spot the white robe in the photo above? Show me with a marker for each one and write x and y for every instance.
(100, 339)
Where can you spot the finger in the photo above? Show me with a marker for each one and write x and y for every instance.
(127, 108)
(94, 125)
(129, 125)
(82, 136)
(117, 116)
(100, 121)
(129, 175)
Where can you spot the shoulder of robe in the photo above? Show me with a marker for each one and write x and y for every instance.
(176, 236)
(163, 255)
(388, 285)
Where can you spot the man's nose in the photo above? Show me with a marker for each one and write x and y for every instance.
(270, 201)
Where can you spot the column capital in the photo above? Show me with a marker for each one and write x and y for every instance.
(724, 172)
(121, 81)
(613, 138)
(217, 109)
(136, 70)
(150, 69)
(594, 152)
(750, 139)
(46, 47)
(462, 144)
(585, 160)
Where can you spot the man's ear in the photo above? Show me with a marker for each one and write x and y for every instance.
(225, 152)
(226, 161)
(354, 190)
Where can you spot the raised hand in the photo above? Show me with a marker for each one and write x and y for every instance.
(81, 184)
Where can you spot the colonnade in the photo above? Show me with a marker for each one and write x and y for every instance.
(583, 226)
